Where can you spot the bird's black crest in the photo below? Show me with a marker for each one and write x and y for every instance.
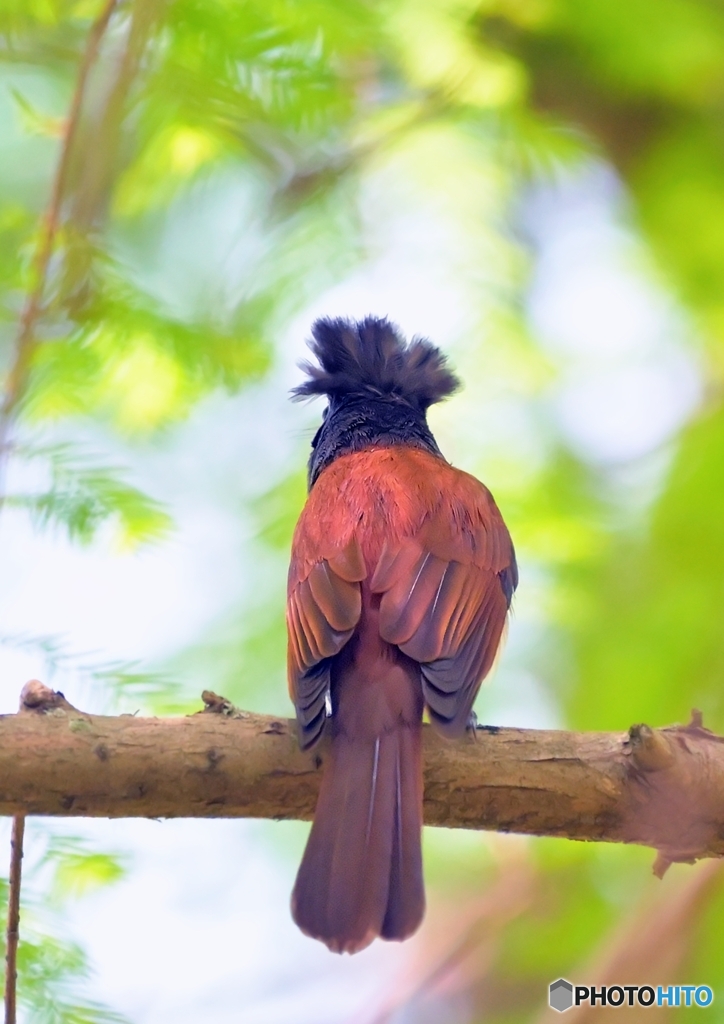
(371, 357)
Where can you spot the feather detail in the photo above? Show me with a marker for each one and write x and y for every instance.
(361, 874)
(401, 577)
(370, 357)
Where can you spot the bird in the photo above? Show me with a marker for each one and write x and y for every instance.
(401, 577)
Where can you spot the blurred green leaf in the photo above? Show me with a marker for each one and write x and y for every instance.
(35, 122)
(48, 972)
(78, 870)
(278, 509)
(83, 496)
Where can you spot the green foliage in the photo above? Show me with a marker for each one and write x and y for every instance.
(656, 599)
(48, 971)
(51, 969)
(278, 509)
(137, 366)
(82, 496)
(308, 109)
(77, 870)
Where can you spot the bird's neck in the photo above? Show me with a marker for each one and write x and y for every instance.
(360, 423)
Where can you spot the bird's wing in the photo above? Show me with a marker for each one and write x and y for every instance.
(445, 593)
(324, 604)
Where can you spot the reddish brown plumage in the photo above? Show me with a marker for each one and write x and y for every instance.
(400, 580)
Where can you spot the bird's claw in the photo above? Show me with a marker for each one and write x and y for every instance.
(472, 725)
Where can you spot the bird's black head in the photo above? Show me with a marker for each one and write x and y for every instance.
(379, 388)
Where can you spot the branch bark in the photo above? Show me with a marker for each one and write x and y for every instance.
(662, 788)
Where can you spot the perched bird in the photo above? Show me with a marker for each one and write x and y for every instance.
(402, 572)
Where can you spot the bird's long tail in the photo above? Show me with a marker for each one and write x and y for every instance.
(361, 874)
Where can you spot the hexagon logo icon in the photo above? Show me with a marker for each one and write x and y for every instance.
(560, 995)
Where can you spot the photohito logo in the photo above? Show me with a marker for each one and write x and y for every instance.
(562, 995)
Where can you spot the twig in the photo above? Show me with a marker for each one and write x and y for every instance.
(13, 933)
(26, 341)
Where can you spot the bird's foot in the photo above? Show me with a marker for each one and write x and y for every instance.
(472, 725)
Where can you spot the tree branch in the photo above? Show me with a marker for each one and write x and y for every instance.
(662, 788)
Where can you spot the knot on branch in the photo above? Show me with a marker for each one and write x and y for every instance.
(36, 696)
(676, 791)
(217, 705)
(649, 748)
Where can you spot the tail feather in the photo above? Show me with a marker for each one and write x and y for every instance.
(361, 874)
(406, 898)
